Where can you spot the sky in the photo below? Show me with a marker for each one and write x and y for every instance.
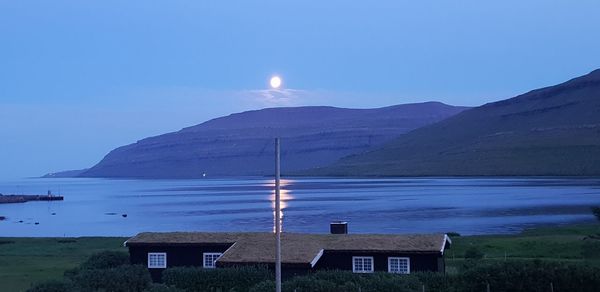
(80, 78)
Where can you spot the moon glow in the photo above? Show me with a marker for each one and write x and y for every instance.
(275, 82)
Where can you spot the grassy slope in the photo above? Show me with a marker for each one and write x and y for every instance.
(24, 261)
(548, 243)
(549, 131)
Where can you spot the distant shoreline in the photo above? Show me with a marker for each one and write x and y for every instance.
(11, 199)
(326, 177)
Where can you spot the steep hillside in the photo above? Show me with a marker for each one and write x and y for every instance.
(549, 131)
(242, 144)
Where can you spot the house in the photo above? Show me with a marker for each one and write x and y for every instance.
(300, 253)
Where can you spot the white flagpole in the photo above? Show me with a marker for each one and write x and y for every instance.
(277, 217)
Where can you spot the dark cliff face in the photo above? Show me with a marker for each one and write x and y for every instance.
(242, 144)
(549, 131)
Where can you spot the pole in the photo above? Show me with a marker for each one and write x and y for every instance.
(277, 217)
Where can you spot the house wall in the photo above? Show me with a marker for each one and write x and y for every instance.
(177, 256)
(287, 270)
(441, 264)
(342, 260)
(191, 255)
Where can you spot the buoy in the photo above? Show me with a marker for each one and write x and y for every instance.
(124, 215)
(37, 223)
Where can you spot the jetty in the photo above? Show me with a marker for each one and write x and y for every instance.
(8, 199)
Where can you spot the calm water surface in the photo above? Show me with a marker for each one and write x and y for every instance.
(399, 205)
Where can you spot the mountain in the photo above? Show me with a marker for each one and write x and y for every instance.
(549, 131)
(243, 143)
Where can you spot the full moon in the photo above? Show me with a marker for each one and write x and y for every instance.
(275, 82)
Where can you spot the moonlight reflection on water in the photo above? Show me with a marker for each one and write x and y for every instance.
(391, 205)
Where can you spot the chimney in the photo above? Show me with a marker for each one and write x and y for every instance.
(338, 227)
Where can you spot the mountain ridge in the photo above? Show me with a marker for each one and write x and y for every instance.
(241, 143)
(553, 130)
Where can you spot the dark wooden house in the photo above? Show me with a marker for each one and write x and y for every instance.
(301, 253)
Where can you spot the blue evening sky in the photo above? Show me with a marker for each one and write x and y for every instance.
(79, 78)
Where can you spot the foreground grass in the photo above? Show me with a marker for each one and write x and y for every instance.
(571, 243)
(24, 261)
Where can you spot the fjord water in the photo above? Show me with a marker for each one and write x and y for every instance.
(95, 207)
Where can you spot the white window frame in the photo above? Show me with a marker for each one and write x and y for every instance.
(214, 265)
(407, 259)
(154, 254)
(362, 270)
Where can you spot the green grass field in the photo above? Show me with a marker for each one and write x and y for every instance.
(571, 243)
(24, 261)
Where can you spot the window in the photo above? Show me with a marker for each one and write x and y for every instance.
(210, 258)
(362, 264)
(399, 265)
(157, 260)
